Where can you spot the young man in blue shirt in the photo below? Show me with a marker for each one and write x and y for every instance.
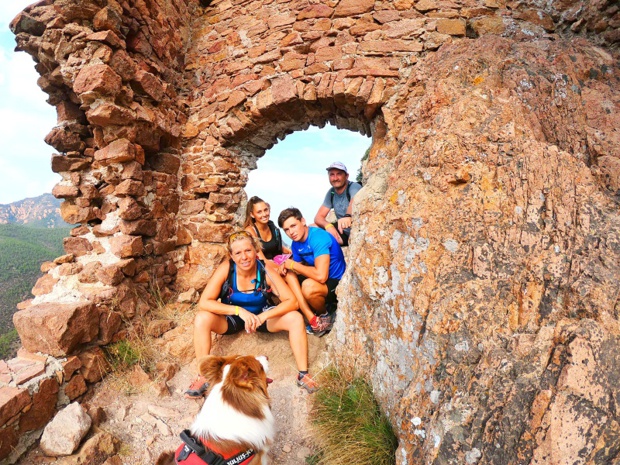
(314, 270)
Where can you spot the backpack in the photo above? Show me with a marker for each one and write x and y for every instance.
(227, 287)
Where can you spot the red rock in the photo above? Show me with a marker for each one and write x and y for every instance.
(353, 7)
(316, 11)
(158, 327)
(12, 401)
(43, 406)
(70, 366)
(165, 162)
(129, 187)
(9, 440)
(119, 151)
(108, 114)
(24, 369)
(61, 191)
(97, 78)
(73, 214)
(54, 328)
(94, 365)
(453, 27)
(62, 163)
(64, 139)
(150, 85)
(75, 387)
(108, 37)
(77, 246)
(26, 23)
(108, 18)
(109, 324)
(139, 227)
(126, 246)
(388, 46)
(44, 285)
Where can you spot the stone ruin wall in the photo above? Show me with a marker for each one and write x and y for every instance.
(484, 270)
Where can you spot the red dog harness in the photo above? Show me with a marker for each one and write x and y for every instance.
(194, 452)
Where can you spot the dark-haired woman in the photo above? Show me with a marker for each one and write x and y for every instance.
(258, 224)
(244, 305)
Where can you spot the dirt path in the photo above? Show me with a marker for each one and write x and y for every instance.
(149, 423)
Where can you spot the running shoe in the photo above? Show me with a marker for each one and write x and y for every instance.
(197, 389)
(307, 383)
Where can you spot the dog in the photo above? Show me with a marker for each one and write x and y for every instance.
(235, 425)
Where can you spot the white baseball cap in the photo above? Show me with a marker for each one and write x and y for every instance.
(337, 165)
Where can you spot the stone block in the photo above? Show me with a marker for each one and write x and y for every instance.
(129, 187)
(24, 369)
(44, 285)
(453, 27)
(353, 7)
(70, 366)
(139, 227)
(99, 78)
(393, 45)
(488, 25)
(12, 401)
(75, 387)
(94, 365)
(77, 246)
(119, 151)
(127, 246)
(107, 37)
(43, 406)
(315, 11)
(55, 328)
(166, 162)
(109, 114)
(63, 163)
(62, 436)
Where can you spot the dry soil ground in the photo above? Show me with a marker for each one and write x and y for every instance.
(148, 422)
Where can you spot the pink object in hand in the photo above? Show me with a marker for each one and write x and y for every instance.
(279, 259)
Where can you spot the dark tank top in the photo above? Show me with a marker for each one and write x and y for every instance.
(272, 247)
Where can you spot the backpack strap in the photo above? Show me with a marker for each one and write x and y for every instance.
(228, 284)
(333, 193)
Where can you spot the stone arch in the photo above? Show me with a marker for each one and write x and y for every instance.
(488, 269)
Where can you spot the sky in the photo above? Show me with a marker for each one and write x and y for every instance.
(292, 173)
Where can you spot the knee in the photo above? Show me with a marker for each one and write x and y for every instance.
(203, 320)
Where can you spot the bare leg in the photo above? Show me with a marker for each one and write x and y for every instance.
(204, 324)
(293, 283)
(293, 322)
(314, 294)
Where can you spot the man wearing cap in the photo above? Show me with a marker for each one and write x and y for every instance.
(340, 198)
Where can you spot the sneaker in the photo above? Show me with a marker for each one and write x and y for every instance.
(197, 389)
(307, 383)
(314, 330)
(324, 323)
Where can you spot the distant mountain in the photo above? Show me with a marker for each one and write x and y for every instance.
(37, 212)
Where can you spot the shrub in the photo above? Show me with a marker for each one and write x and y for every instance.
(349, 425)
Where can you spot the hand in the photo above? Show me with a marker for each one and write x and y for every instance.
(282, 269)
(344, 223)
(289, 265)
(334, 232)
(252, 322)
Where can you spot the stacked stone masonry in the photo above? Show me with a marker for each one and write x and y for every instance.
(486, 245)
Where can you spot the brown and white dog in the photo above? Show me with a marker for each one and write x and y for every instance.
(235, 424)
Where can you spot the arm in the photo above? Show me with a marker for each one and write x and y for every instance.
(319, 272)
(321, 221)
(288, 302)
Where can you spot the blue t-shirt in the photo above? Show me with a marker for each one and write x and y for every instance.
(319, 242)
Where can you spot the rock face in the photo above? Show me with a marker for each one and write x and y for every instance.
(485, 257)
(42, 211)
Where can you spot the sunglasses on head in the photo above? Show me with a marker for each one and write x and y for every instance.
(237, 235)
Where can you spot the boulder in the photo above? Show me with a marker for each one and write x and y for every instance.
(57, 329)
(62, 436)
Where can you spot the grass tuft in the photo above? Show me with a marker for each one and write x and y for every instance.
(349, 425)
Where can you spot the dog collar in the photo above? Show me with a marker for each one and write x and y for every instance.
(195, 452)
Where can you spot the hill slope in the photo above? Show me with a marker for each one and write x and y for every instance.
(22, 250)
(39, 212)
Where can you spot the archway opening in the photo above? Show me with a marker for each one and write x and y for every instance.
(293, 172)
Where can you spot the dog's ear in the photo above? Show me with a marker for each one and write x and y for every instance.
(248, 373)
(211, 368)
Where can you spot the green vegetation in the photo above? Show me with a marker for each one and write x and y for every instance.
(349, 425)
(22, 250)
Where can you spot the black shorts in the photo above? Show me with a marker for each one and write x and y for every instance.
(331, 283)
(236, 325)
